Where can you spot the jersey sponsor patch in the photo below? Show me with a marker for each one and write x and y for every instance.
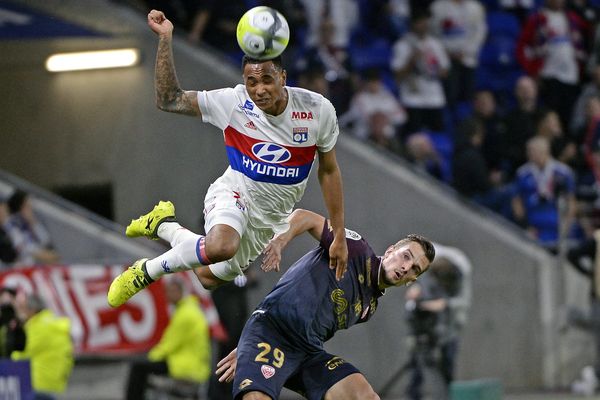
(352, 235)
(266, 161)
(245, 383)
(334, 363)
(267, 371)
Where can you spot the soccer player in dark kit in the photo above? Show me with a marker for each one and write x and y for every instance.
(282, 342)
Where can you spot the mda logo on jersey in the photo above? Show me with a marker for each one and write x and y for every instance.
(302, 115)
(271, 153)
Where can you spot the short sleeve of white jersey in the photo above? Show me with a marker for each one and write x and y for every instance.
(400, 55)
(328, 127)
(217, 105)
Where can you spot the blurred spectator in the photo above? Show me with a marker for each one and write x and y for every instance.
(585, 10)
(591, 144)
(542, 185)
(375, 114)
(462, 28)
(551, 46)
(330, 23)
(578, 119)
(12, 335)
(29, 236)
(422, 154)
(419, 63)
(438, 307)
(563, 149)
(8, 253)
(340, 16)
(485, 109)
(387, 18)
(521, 122)
(313, 78)
(594, 58)
(183, 351)
(215, 23)
(48, 346)
(470, 174)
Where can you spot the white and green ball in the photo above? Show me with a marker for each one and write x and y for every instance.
(263, 33)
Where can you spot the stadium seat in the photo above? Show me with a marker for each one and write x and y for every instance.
(501, 23)
(374, 54)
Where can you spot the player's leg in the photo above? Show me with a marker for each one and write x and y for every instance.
(352, 387)
(255, 396)
(329, 377)
(265, 360)
(226, 222)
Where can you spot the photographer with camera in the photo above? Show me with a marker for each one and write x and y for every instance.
(437, 310)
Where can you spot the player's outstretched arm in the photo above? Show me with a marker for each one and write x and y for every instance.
(300, 221)
(330, 179)
(226, 367)
(169, 95)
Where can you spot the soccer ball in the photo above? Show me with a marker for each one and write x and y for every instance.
(263, 33)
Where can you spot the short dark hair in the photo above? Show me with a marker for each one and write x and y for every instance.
(16, 200)
(425, 243)
(277, 61)
(10, 290)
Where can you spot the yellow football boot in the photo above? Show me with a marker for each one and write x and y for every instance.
(147, 225)
(128, 283)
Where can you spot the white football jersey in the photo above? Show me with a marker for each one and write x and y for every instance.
(270, 157)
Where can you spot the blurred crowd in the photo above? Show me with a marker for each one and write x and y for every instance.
(497, 98)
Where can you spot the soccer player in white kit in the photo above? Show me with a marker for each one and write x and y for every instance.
(272, 135)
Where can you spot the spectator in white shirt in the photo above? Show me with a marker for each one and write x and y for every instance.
(462, 28)
(375, 114)
(419, 63)
(552, 46)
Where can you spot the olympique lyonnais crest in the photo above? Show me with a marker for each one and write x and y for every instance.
(267, 371)
(300, 134)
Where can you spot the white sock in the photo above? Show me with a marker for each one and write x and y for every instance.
(182, 257)
(174, 233)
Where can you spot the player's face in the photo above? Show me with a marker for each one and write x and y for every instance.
(265, 84)
(403, 265)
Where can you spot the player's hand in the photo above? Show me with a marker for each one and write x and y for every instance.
(338, 256)
(226, 367)
(272, 254)
(159, 23)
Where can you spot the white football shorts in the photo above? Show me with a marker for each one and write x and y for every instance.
(226, 205)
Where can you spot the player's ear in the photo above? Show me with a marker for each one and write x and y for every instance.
(283, 77)
(388, 251)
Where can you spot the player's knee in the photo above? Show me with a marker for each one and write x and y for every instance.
(222, 251)
(222, 242)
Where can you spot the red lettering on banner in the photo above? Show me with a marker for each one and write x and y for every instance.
(79, 292)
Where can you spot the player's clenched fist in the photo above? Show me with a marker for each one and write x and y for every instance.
(159, 23)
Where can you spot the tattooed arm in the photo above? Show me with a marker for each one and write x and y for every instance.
(169, 96)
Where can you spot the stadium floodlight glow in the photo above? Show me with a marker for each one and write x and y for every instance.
(92, 60)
